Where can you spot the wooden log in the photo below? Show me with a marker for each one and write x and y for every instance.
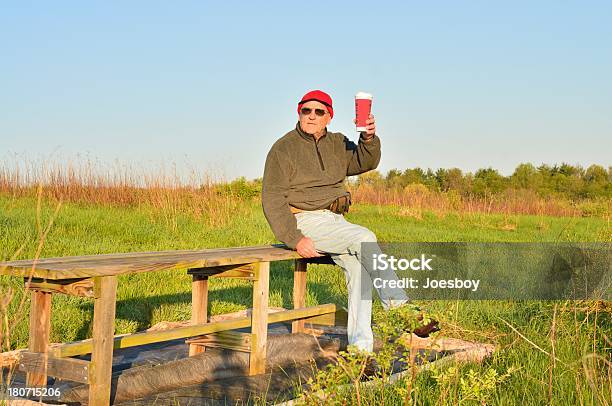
(73, 287)
(102, 342)
(40, 326)
(299, 292)
(10, 359)
(132, 340)
(259, 319)
(67, 368)
(199, 307)
(212, 366)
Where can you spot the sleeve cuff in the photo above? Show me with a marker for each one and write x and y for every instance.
(293, 240)
(367, 140)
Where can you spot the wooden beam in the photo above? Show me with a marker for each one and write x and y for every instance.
(72, 287)
(102, 341)
(231, 340)
(299, 292)
(132, 340)
(241, 271)
(337, 318)
(40, 326)
(199, 307)
(259, 318)
(66, 368)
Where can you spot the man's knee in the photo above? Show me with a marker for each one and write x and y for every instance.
(365, 236)
(368, 236)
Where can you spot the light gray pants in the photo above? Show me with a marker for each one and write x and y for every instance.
(332, 234)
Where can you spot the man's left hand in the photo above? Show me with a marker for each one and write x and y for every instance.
(370, 127)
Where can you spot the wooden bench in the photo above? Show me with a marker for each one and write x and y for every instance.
(95, 276)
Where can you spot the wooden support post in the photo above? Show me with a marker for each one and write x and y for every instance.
(299, 292)
(40, 326)
(199, 307)
(259, 319)
(101, 366)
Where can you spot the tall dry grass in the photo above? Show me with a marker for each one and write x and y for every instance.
(11, 317)
(167, 192)
(416, 198)
(170, 192)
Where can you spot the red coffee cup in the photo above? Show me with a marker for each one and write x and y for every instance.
(363, 107)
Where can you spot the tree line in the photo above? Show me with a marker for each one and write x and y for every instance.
(565, 180)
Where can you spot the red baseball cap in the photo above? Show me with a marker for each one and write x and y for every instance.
(319, 96)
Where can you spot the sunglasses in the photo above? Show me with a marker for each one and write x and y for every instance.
(319, 112)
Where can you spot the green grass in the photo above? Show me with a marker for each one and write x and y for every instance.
(146, 299)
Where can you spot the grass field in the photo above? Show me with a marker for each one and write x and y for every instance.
(577, 333)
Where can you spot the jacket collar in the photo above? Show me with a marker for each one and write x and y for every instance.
(307, 137)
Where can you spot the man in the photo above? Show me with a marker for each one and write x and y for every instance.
(304, 198)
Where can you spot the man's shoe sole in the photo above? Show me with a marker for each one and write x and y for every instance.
(426, 330)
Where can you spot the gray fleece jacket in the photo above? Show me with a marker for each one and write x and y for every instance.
(309, 175)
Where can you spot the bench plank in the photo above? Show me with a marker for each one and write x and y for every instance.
(115, 264)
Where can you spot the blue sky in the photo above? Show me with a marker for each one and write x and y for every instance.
(214, 84)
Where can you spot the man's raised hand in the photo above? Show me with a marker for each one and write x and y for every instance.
(370, 126)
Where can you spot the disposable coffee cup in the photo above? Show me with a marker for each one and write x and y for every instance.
(363, 107)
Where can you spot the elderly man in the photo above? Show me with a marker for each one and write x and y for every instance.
(304, 198)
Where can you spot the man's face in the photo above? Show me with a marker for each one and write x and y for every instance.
(311, 122)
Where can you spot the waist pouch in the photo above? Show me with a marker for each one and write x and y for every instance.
(341, 204)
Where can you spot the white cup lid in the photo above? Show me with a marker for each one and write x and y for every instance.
(363, 95)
